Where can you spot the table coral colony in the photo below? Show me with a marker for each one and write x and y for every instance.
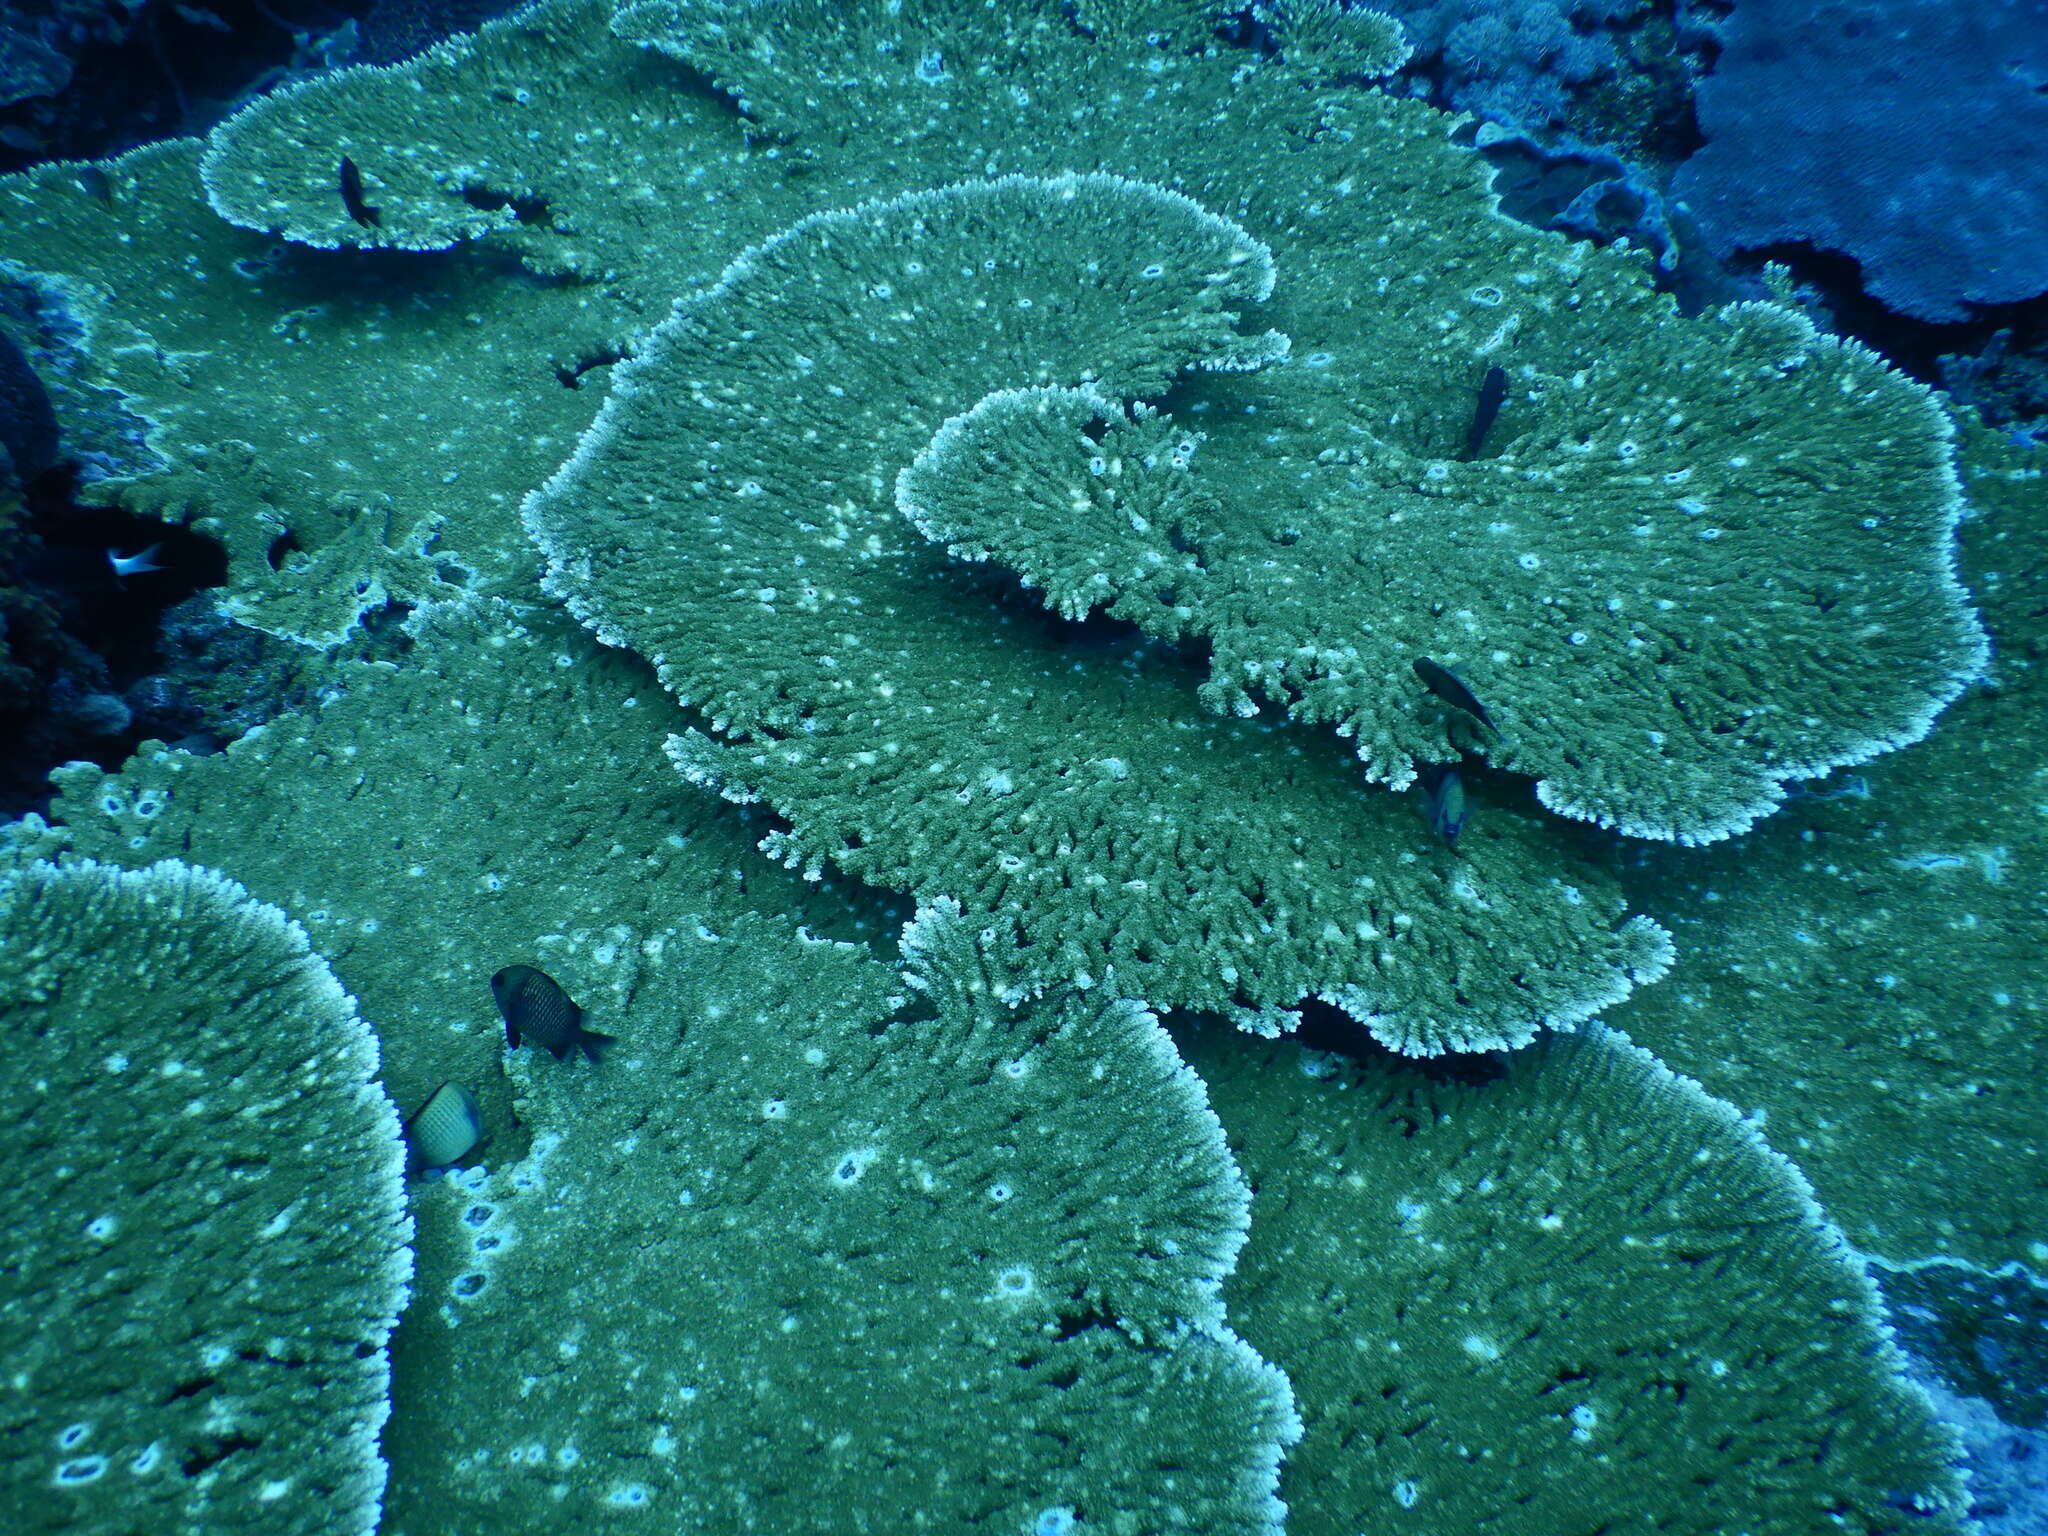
(917, 524)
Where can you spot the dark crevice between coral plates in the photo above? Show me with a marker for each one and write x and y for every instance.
(79, 633)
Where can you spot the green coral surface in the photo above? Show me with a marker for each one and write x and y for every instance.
(1598, 556)
(728, 516)
(499, 799)
(1682, 1334)
(811, 1260)
(198, 1296)
(1863, 971)
(778, 343)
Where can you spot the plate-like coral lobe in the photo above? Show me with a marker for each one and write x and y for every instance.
(1864, 970)
(807, 1256)
(1648, 1324)
(731, 516)
(1668, 620)
(206, 1235)
(432, 824)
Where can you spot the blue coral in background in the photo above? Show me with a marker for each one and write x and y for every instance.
(1515, 61)
(1911, 135)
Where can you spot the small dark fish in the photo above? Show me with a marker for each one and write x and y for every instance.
(1448, 686)
(352, 196)
(139, 564)
(537, 1009)
(1493, 390)
(445, 1129)
(1443, 803)
(97, 184)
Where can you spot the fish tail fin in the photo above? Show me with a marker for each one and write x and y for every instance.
(595, 1045)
